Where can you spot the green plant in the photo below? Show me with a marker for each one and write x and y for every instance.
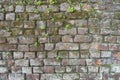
(36, 11)
(58, 57)
(3, 10)
(42, 27)
(36, 44)
(52, 1)
(7, 28)
(37, 3)
(45, 34)
(48, 10)
(68, 26)
(71, 9)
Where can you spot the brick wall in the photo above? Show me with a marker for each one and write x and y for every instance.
(59, 40)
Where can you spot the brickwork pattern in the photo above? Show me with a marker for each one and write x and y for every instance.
(53, 40)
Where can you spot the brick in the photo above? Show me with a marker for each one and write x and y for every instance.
(70, 76)
(4, 76)
(41, 23)
(51, 77)
(32, 77)
(105, 31)
(4, 33)
(94, 54)
(2, 63)
(16, 69)
(17, 24)
(40, 47)
(30, 8)
(10, 16)
(21, 62)
(36, 62)
(9, 8)
(80, 23)
(103, 46)
(7, 55)
(63, 54)
(118, 39)
(113, 47)
(49, 46)
(37, 70)
(2, 40)
(27, 70)
(71, 31)
(16, 76)
(54, 8)
(67, 46)
(73, 62)
(33, 16)
(3, 70)
(115, 69)
(29, 55)
(70, 69)
(84, 46)
(23, 48)
(67, 38)
(59, 69)
(51, 62)
(12, 40)
(74, 54)
(81, 38)
(111, 39)
(42, 8)
(1, 16)
(82, 30)
(42, 40)
(90, 62)
(81, 69)
(106, 53)
(41, 54)
(51, 54)
(105, 69)
(64, 6)
(48, 69)
(29, 24)
(93, 69)
(18, 55)
(19, 8)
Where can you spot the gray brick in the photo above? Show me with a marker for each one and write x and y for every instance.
(16, 76)
(19, 8)
(10, 16)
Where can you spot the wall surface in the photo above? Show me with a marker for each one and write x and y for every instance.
(59, 40)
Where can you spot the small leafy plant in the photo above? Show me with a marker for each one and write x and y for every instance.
(36, 11)
(3, 10)
(68, 26)
(71, 9)
(37, 3)
(42, 27)
(52, 1)
(36, 44)
(58, 58)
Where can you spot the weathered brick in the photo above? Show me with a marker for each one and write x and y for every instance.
(90, 62)
(2, 63)
(74, 54)
(23, 48)
(67, 46)
(51, 62)
(21, 62)
(32, 77)
(73, 62)
(103, 46)
(81, 69)
(37, 70)
(4, 76)
(18, 55)
(59, 69)
(9, 8)
(93, 69)
(1, 16)
(51, 54)
(10, 16)
(64, 6)
(81, 38)
(29, 24)
(30, 8)
(27, 70)
(49, 46)
(36, 62)
(51, 77)
(12, 40)
(16, 69)
(48, 69)
(41, 23)
(54, 8)
(29, 55)
(84, 46)
(19, 8)
(70, 76)
(2, 40)
(106, 53)
(82, 30)
(63, 54)
(42, 8)
(7, 55)
(111, 39)
(113, 47)
(16, 76)
(70, 68)
(42, 40)
(40, 47)
(3, 70)
(33, 16)
(4, 33)
(41, 54)
(67, 38)
(71, 31)
(115, 69)
(105, 69)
